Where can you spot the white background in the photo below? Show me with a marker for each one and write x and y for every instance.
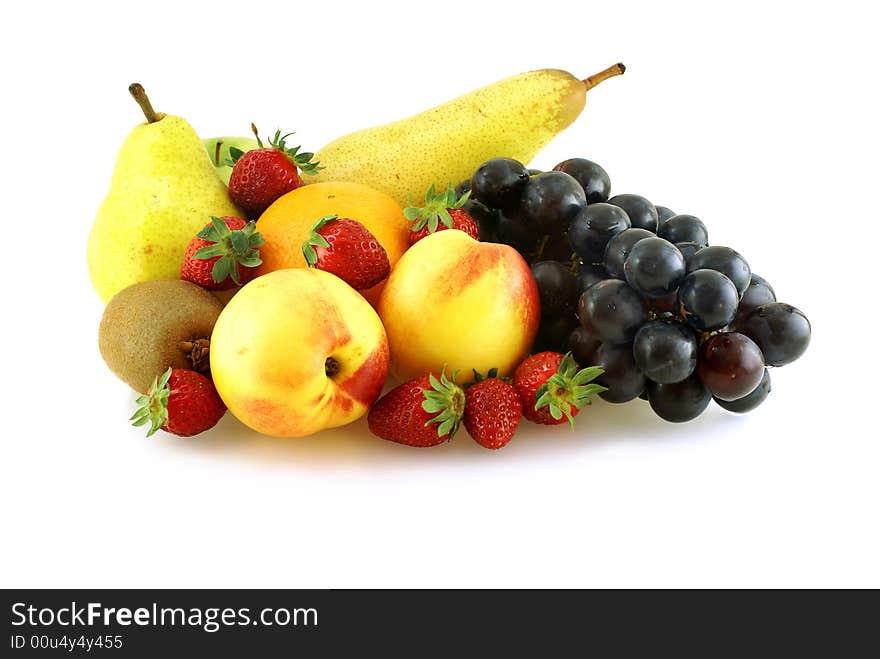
(761, 118)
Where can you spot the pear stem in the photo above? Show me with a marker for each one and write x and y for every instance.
(602, 76)
(140, 95)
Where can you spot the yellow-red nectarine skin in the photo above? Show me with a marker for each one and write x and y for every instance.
(270, 346)
(454, 301)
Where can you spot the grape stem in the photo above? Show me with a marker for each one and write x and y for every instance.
(602, 76)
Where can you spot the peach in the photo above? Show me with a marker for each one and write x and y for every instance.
(297, 351)
(454, 301)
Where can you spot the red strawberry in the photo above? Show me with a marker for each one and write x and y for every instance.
(222, 255)
(492, 411)
(422, 412)
(440, 212)
(553, 389)
(261, 176)
(346, 248)
(181, 402)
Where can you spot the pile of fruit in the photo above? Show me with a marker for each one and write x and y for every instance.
(286, 286)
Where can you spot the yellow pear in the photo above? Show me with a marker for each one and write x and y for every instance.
(163, 191)
(515, 118)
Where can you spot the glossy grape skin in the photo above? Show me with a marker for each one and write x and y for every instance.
(665, 352)
(485, 218)
(678, 402)
(730, 365)
(654, 267)
(612, 311)
(593, 178)
(663, 214)
(688, 250)
(707, 300)
(641, 212)
(534, 172)
(781, 331)
(619, 247)
(623, 378)
(499, 182)
(555, 286)
(588, 274)
(750, 401)
(583, 346)
(513, 230)
(591, 230)
(726, 261)
(551, 201)
(684, 229)
(758, 293)
(463, 187)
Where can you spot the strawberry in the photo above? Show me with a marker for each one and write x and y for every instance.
(261, 176)
(422, 412)
(346, 248)
(181, 402)
(553, 389)
(223, 254)
(492, 410)
(441, 211)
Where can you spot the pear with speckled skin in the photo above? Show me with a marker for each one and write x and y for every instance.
(163, 191)
(515, 118)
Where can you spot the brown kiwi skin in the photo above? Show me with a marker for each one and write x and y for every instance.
(144, 325)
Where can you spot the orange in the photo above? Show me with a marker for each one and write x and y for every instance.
(286, 224)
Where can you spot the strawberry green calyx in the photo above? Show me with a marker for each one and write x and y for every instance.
(233, 247)
(278, 141)
(315, 239)
(435, 210)
(568, 388)
(446, 399)
(479, 377)
(153, 406)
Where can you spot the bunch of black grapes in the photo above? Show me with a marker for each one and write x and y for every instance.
(636, 289)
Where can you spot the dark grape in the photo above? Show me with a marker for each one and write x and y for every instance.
(555, 286)
(583, 346)
(707, 300)
(663, 214)
(622, 377)
(731, 365)
(556, 248)
(486, 219)
(593, 179)
(619, 247)
(499, 182)
(591, 230)
(665, 352)
(534, 172)
(463, 187)
(758, 293)
(642, 213)
(726, 261)
(751, 401)
(654, 267)
(554, 332)
(513, 230)
(688, 250)
(612, 311)
(684, 229)
(781, 332)
(668, 304)
(680, 401)
(588, 274)
(551, 201)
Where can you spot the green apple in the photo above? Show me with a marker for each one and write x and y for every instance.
(221, 155)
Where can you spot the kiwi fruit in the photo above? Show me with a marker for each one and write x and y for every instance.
(155, 324)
